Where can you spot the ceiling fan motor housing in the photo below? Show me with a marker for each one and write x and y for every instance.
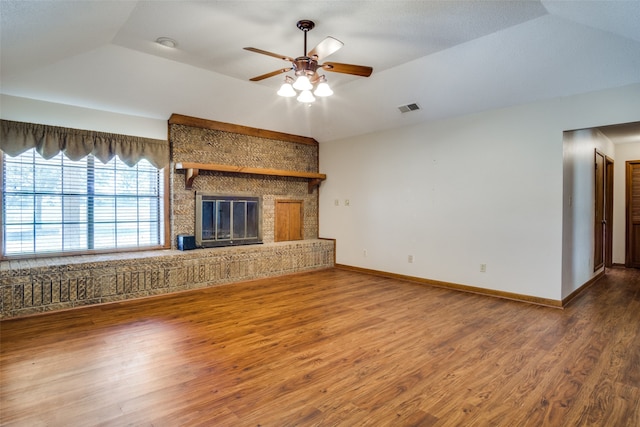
(303, 65)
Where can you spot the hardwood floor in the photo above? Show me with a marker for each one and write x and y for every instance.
(329, 348)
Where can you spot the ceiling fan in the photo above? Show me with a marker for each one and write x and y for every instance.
(306, 67)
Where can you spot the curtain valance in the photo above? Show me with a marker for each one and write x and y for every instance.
(18, 137)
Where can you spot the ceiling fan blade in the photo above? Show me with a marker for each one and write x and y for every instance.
(356, 70)
(271, 74)
(325, 48)
(264, 52)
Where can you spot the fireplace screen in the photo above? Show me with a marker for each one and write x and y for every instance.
(227, 220)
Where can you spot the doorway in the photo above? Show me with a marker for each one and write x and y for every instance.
(608, 213)
(603, 220)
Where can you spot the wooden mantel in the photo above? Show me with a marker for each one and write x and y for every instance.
(193, 169)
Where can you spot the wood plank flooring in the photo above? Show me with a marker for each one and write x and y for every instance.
(329, 348)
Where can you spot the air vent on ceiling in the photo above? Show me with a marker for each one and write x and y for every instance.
(408, 107)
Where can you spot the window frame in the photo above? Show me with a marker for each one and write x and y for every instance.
(166, 229)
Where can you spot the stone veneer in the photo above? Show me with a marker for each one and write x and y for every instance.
(201, 145)
(40, 285)
(30, 286)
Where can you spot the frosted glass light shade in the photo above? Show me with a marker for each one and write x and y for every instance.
(306, 96)
(323, 89)
(286, 90)
(302, 83)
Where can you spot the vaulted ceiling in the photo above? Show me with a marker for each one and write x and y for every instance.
(450, 57)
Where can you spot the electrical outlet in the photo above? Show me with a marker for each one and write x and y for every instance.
(483, 268)
(364, 253)
(410, 259)
(336, 202)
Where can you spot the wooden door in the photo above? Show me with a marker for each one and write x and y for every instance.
(289, 220)
(599, 224)
(608, 213)
(633, 214)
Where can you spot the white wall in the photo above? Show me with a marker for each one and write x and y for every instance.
(48, 113)
(481, 189)
(624, 153)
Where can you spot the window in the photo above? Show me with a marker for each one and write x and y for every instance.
(61, 206)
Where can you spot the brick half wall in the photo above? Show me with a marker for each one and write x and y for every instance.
(30, 287)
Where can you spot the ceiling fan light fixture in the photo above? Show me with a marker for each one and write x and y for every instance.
(323, 88)
(286, 89)
(306, 96)
(303, 83)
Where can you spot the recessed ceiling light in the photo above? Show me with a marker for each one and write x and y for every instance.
(167, 42)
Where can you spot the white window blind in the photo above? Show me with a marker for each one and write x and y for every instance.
(60, 205)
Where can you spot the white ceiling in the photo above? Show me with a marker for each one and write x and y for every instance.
(450, 57)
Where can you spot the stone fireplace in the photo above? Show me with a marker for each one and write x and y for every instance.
(257, 155)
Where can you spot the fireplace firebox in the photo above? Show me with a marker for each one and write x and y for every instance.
(227, 220)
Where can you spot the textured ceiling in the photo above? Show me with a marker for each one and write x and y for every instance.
(450, 57)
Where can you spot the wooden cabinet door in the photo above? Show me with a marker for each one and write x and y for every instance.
(289, 220)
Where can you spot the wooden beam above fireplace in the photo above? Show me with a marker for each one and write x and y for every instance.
(179, 119)
(193, 170)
